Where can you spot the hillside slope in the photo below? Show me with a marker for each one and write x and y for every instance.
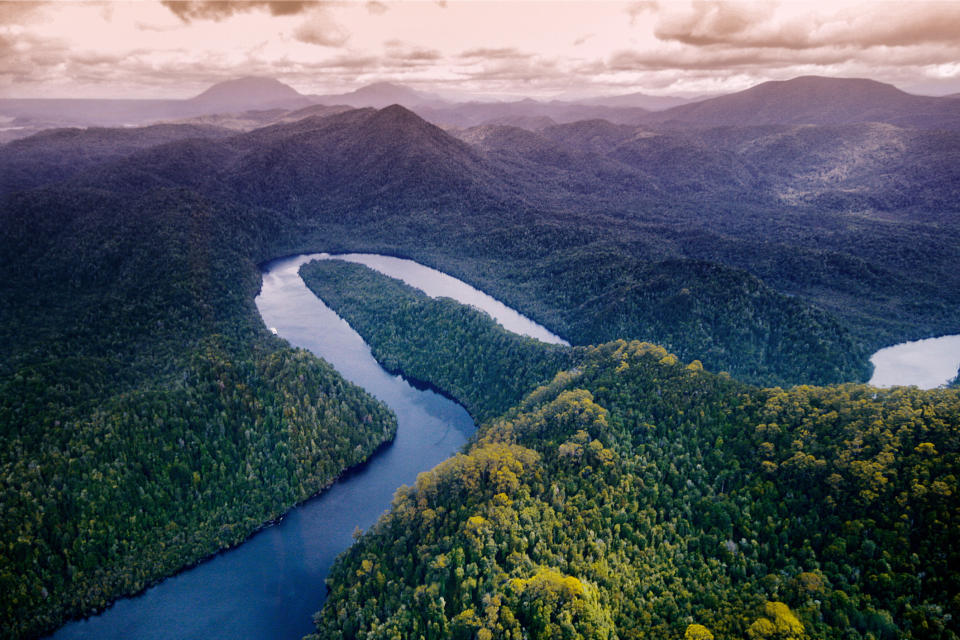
(634, 496)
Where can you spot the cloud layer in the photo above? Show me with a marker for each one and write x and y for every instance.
(177, 47)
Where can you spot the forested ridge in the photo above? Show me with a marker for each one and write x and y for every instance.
(636, 496)
(147, 418)
(401, 324)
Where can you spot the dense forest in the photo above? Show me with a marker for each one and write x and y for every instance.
(635, 496)
(782, 254)
(400, 324)
(147, 418)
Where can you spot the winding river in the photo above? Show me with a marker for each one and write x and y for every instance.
(270, 586)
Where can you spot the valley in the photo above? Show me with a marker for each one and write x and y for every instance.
(149, 417)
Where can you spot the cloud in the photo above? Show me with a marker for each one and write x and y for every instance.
(761, 25)
(636, 9)
(688, 58)
(710, 23)
(376, 8)
(402, 52)
(495, 53)
(321, 30)
(189, 10)
(17, 12)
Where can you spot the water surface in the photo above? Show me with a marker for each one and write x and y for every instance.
(926, 364)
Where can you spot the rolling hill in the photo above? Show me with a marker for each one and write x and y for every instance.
(815, 100)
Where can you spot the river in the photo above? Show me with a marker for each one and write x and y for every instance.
(270, 586)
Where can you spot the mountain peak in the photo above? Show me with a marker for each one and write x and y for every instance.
(249, 84)
(814, 100)
(379, 95)
(250, 92)
(397, 112)
(831, 85)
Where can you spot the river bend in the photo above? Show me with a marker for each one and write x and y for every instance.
(269, 587)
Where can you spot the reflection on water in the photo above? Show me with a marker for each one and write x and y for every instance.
(925, 363)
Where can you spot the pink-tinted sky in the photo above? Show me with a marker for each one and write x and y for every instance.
(539, 48)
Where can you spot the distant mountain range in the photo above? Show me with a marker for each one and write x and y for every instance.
(248, 103)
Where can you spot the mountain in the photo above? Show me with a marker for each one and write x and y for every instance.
(815, 100)
(528, 113)
(390, 156)
(247, 93)
(379, 95)
(782, 253)
(508, 141)
(230, 97)
(599, 136)
(56, 154)
(638, 99)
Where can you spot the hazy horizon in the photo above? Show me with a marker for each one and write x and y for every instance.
(536, 48)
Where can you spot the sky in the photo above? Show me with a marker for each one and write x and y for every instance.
(503, 48)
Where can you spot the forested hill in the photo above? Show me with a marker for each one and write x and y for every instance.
(401, 323)
(147, 417)
(635, 496)
(782, 254)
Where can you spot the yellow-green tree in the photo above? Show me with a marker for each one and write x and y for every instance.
(697, 632)
(778, 623)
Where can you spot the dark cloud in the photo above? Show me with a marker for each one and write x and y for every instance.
(188, 10)
(376, 8)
